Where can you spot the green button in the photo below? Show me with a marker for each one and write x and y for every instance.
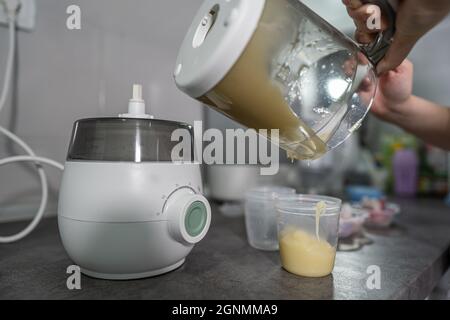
(195, 219)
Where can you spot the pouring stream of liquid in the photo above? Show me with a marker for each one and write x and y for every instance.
(321, 208)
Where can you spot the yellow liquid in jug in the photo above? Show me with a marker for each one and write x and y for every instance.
(249, 95)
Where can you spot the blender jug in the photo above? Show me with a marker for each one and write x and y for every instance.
(275, 64)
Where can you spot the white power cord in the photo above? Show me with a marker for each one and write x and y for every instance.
(40, 160)
(12, 7)
(11, 14)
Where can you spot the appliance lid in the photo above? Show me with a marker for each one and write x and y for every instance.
(214, 42)
(130, 140)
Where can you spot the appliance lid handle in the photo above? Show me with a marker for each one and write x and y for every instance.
(376, 50)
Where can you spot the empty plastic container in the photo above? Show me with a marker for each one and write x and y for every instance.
(260, 216)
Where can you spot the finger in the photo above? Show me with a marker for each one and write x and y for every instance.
(406, 69)
(363, 37)
(397, 53)
(368, 18)
(396, 84)
(353, 4)
(379, 110)
(362, 59)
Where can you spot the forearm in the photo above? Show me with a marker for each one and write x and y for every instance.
(427, 120)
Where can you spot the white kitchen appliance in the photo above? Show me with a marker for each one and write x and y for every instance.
(276, 64)
(127, 208)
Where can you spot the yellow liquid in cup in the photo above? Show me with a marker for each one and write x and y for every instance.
(304, 254)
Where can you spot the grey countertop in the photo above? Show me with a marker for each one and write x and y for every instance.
(412, 257)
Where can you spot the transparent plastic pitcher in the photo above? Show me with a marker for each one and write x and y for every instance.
(275, 64)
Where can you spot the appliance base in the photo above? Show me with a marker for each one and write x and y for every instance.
(131, 276)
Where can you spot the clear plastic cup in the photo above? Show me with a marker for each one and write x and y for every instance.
(307, 244)
(260, 216)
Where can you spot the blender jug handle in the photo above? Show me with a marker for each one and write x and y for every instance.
(376, 50)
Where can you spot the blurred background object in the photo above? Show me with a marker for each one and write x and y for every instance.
(447, 200)
(230, 182)
(405, 172)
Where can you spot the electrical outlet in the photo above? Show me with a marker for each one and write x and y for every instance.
(26, 17)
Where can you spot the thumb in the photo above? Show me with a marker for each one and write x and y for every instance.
(397, 53)
(396, 85)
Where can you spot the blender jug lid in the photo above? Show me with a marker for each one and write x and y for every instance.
(129, 140)
(214, 42)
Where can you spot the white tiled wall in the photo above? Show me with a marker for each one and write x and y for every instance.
(66, 75)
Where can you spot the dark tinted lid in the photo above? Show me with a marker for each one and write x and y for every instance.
(126, 139)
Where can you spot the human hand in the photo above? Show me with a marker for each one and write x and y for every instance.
(414, 19)
(394, 93)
